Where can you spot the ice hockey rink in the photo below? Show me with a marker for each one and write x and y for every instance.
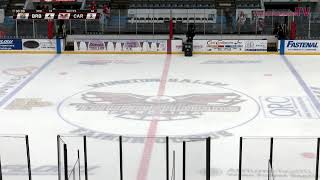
(136, 96)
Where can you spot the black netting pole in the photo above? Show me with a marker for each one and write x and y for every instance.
(317, 160)
(167, 158)
(0, 169)
(28, 157)
(85, 158)
(120, 154)
(240, 159)
(271, 152)
(208, 157)
(65, 157)
(184, 160)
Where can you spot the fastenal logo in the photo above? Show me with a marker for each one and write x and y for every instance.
(304, 44)
(189, 107)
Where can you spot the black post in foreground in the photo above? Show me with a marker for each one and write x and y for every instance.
(271, 152)
(28, 157)
(120, 151)
(317, 160)
(0, 169)
(208, 157)
(85, 157)
(167, 158)
(240, 159)
(184, 160)
(65, 157)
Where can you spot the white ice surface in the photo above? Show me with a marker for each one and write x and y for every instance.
(65, 80)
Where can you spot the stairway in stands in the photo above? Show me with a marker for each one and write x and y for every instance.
(14, 4)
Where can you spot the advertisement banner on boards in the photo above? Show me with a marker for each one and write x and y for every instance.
(176, 45)
(256, 45)
(10, 44)
(229, 45)
(121, 45)
(39, 44)
(302, 46)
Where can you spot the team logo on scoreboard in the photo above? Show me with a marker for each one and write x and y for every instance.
(49, 16)
(91, 16)
(189, 107)
(22, 15)
(64, 16)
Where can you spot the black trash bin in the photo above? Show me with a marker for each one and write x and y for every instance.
(188, 48)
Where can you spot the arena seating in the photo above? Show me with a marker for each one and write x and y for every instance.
(99, 3)
(173, 4)
(159, 11)
(14, 4)
(163, 15)
(196, 11)
(3, 4)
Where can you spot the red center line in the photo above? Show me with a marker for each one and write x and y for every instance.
(147, 151)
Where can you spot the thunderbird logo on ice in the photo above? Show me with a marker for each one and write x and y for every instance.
(115, 107)
(139, 107)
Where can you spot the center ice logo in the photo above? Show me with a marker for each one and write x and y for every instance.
(189, 107)
(139, 107)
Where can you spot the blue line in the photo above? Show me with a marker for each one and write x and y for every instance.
(302, 83)
(24, 83)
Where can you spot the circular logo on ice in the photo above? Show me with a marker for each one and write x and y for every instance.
(189, 107)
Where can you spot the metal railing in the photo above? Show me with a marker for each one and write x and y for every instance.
(279, 157)
(14, 152)
(123, 159)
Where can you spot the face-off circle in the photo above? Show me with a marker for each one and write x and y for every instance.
(187, 108)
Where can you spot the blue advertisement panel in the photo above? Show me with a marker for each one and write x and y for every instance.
(299, 46)
(10, 44)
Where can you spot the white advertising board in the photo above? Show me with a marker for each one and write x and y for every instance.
(302, 46)
(121, 45)
(39, 44)
(176, 46)
(229, 45)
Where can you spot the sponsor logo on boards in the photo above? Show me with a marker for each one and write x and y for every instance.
(295, 44)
